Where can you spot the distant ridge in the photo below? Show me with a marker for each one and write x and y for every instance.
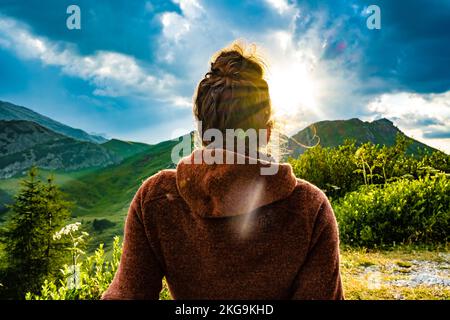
(9, 111)
(332, 133)
(126, 148)
(26, 143)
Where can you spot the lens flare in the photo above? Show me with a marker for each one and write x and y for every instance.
(252, 193)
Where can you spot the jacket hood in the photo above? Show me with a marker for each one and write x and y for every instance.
(221, 190)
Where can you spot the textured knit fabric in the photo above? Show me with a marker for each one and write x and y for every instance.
(224, 231)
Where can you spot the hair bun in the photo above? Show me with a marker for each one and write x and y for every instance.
(228, 66)
(233, 93)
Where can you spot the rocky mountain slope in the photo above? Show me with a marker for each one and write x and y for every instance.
(9, 111)
(25, 143)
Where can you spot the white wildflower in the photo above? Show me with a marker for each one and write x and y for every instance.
(66, 230)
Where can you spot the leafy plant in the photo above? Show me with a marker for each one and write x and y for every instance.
(331, 169)
(95, 274)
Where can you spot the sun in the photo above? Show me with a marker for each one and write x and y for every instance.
(292, 88)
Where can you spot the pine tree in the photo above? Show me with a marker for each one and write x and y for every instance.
(30, 251)
(57, 214)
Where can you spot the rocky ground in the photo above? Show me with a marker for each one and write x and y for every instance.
(398, 274)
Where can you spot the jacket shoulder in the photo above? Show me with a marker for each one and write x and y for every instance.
(306, 200)
(160, 185)
(308, 191)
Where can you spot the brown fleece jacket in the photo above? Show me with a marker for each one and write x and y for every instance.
(224, 231)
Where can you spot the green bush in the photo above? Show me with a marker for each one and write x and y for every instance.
(344, 168)
(331, 169)
(400, 212)
(102, 224)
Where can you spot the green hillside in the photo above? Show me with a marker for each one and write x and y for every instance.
(334, 133)
(9, 187)
(102, 197)
(125, 149)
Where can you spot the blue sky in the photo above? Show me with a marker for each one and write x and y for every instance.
(131, 70)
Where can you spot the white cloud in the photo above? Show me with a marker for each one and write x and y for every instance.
(280, 5)
(113, 74)
(425, 117)
(175, 26)
(191, 9)
(181, 45)
(304, 87)
(181, 102)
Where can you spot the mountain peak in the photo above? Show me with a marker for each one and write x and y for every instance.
(384, 121)
(10, 111)
(333, 133)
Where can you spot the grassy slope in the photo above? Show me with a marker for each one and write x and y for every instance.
(93, 193)
(9, 187)
(106, 193)
(126, 148)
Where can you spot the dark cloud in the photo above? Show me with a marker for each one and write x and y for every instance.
(438, 134)
(412, 49)
(413, 120)
(410, 52)
(429, 122)
(119, 25)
